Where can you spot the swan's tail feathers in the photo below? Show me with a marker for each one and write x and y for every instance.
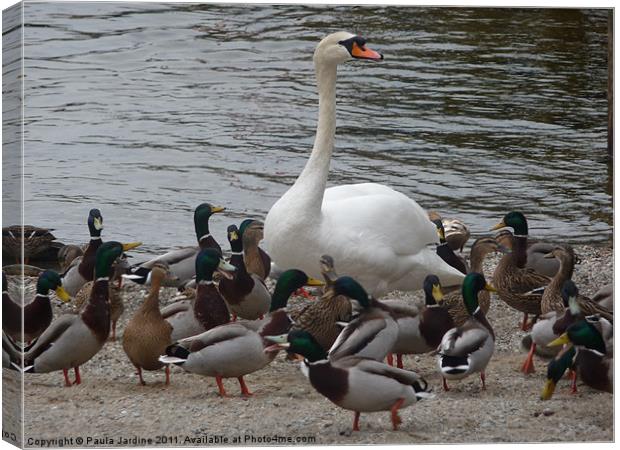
(454, 365)
(175, 354)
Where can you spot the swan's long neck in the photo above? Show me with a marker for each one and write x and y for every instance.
(310, 184)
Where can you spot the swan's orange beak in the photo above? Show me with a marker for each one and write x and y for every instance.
(363, 52)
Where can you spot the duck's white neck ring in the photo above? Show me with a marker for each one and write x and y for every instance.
(204, 236)
(520, 235)
(236, 253)
(205, 282)
(102, 279)
(40, 295)
(95, 238)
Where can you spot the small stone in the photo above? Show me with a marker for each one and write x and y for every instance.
(548, 412)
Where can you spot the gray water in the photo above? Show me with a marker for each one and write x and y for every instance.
(147, 110)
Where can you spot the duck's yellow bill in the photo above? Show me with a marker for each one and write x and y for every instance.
(62, 294)
(488, 287)
(131, 245)
(559, 341)
(499, 226)
(217, 209)
(548, 390)
(437, 294)
(314, 282)
(98, 223)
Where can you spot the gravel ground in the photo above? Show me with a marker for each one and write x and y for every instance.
(110, 405)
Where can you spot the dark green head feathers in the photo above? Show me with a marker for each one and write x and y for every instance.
(95, 222)
(516, 221)
(208, 261)
(584, 333)
(105, 257)
(201, 218)
(348, 287)
(472, 284)
(48, 281)
(289, 282)
(304, 344)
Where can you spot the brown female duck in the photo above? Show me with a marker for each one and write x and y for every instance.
(516, 285)
(257, 261)
(33, 240)
(37, 314)
(147, 334)
(73, 339)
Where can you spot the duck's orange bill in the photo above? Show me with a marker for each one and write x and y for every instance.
(365, 53)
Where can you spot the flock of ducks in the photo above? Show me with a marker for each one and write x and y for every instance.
(227, 323)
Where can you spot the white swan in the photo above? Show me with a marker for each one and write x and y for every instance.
(375, 234)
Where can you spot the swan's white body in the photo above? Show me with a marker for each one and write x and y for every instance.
(375, 234)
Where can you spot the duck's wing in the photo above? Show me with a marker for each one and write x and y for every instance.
(51, 334)
(356, 336)
(406, 377)
(172, 257)
(177, 307)
(213, 336)
(463, 341)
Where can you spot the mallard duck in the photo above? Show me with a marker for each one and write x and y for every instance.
(81, 269)
(468, 349)
(246, 294)
(420, 329)
(257, 261)
(147, 334)
(445, 252)
(378, 235)
(553, 323)
(208, 309)
(37, 315)
(593, 361)
(321, 318)
(182, 261)
(456, 232)
(33, 240)
(556, 369)
(66, 255)
(353, 382)
(516, 285)
(453, 301)
(73, 339)
(372, 333)
(535, 254)
(117, 306)
(232, 350)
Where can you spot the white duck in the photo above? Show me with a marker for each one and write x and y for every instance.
(376, 234)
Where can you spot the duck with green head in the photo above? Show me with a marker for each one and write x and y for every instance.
(73, 339)
(81, 269)
(372, 333)
(236, 349)
(468, 349)
(256, 259)
(353, 382)
(420, 329)
(556, 368)
(246, 294)
(594, 357)
(37, 315)
(182, 260)
(208, 309)
(516, 285)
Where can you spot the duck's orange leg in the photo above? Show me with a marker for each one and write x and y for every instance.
(390, 359)
(139, 373)
(399, 360)
(356, 421)
(78, 379)
(524, 324)
(68, 383)
(445, 385)
(483, 377)
(220, 386)
(395, 417)
(573, 386)
(244, 389)
(167, 370)
(528, 364)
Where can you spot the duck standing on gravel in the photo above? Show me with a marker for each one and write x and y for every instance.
(73, 339)
(246, 294)
(81, 269)
(468, 349)
(373, 333)
(147, 334)
(207, 309)
(353, 382)
(37, 314)
(420, 330)
(516, 285)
